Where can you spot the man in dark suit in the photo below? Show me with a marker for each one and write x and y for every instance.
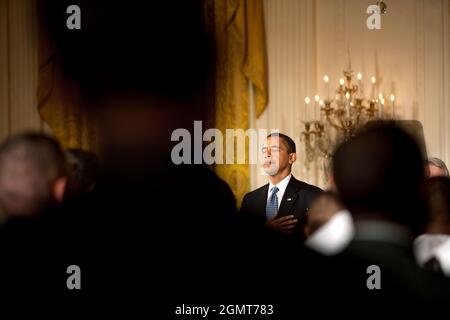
(146, 215)
(282, 204)
(33, 176)
(387, 205)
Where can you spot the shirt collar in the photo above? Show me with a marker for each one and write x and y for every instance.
(334, 235)
(375, 230)
(442, 254)
(282, 185)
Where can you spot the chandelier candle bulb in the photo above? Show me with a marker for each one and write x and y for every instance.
(374, 80)
(381, 107)
(347, 104)
(316, 108)
(306, 108)
(326, 79)
(341, 88)
(393, 106)
(360, 92)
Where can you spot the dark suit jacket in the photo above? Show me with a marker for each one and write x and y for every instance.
(296, 201)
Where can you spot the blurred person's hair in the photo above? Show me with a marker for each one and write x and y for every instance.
(146, 66)
(128, 47)
(30, 165)
(437, 190)
(373, 185)
(291, 148)
(439, 164)
(84, 169)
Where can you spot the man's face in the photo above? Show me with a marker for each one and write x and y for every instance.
(276, 156)
(435, 171)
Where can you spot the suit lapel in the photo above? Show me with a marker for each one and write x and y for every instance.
(262, 201)
(289, 197)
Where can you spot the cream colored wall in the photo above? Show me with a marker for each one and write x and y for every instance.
(18, 67)
(411, 53)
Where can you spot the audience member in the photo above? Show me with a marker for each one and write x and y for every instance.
(387, 204)
(148, 223)
(433, 247)
(33, 174)
(436, 167)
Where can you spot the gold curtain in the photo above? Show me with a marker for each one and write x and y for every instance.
(59, 101)
(241, 57)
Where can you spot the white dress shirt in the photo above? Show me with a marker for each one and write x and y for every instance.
(334, 236)
(282, 185)
(427, 246)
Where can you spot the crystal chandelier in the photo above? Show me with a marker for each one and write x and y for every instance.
(335, 119)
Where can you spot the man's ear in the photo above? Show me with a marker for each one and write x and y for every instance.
(292, 158)
(59, 189)
(332, 183)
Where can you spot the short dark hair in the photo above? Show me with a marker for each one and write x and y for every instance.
(146, 47)
(370, 181)
(291, 148)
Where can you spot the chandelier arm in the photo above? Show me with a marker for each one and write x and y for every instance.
(322, 150)
(308, 141)
(357, 120)
(343, 127)
(333, 124)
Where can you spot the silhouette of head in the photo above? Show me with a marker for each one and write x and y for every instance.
(379, 175)
(33, 174)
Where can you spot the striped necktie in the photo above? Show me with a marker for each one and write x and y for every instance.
(272, 204)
